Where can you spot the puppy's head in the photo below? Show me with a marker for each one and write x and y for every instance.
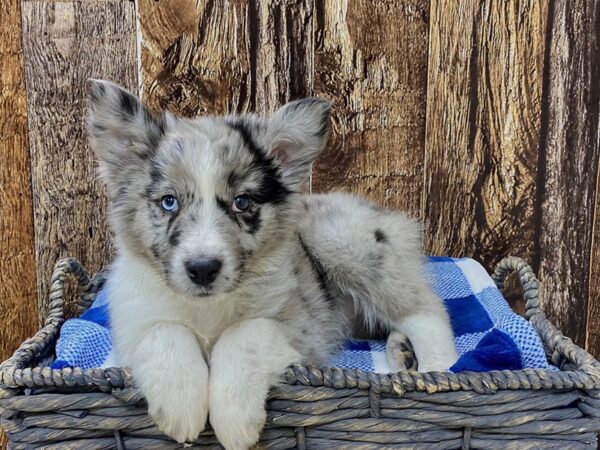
(201, 199)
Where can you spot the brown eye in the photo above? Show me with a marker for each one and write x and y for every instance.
(240, 204)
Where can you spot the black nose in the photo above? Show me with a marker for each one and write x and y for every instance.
(203, 271)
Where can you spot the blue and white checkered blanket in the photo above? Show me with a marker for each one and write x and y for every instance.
(489, 336)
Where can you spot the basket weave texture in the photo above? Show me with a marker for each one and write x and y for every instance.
(316, 408)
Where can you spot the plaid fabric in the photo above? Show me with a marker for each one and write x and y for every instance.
(488, 335)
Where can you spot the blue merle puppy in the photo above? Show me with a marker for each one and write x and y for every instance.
(226, 273)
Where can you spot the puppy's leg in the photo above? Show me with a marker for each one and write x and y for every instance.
(374, 257)
(400, 353)
(431, 336)
(247, 360)
(170, 371)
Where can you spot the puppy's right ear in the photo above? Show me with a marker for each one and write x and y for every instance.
(122, 130)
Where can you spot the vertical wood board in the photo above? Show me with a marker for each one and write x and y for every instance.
(65, 43)
(570, 165)
(483, 128)
(18, 301)
(371, 61)
(196, 56)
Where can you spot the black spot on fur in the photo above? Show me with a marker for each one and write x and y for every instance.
(155, 251)
(156, 126)
(171, 222)
(174, 237)
(245, 255)
(129, 104)
(155, 173)
(223, 206)
(129, 214)
(252, 222)
(121, 191)
(232, 180)
(380, 236)
(318, 269)
(408, 361)
(271, 188)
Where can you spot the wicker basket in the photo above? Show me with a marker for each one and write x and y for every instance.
(317, 408)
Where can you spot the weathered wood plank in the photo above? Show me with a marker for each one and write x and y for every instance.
(18, 301)
(483, 127)
(244, 56)
(196, 56)
(65, 43)
(371, 60)
(570, 164)
(284, 52)
(592, 338)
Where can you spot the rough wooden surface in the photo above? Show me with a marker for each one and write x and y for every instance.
(483, 127)
(371, 60)
(18, 300)
(283, 40)
(246, 56)
(196, 56)
(570, 162)
(592, 341)
(65, 43)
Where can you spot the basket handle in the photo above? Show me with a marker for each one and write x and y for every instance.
(63, 268)
(527, 278)
(561, 348)
(55, 316)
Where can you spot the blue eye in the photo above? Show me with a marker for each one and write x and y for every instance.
(169, 203)
(240, 204)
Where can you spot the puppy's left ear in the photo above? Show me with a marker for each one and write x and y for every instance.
(297, 133)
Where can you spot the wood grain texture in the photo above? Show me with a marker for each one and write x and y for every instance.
(371, 60)
(18, 301)
(65, 43)
(570, 163)
(283, 37)
(592, 338)
(483, 128)
(236, 57)
(196, 56)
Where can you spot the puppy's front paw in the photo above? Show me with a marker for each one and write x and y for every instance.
(400, 353)
(237, 415)
(179, 411)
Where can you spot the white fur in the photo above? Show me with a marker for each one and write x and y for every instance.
(246, 361)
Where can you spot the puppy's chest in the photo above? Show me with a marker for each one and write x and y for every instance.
(209, 323)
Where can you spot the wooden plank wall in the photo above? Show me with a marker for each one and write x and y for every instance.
(377, 81)
(18, 298)
(569, 152)
(480, 118)
(65, 43)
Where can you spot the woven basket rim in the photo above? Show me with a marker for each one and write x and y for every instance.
(16, 373)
